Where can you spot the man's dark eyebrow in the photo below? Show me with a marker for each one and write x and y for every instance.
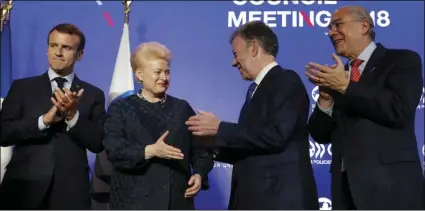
(66, 46)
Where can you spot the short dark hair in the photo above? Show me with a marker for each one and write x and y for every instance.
(70, 29)
(258, 30)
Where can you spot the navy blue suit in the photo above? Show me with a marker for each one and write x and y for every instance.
(372, 131)
(49, 168)
(269, 147)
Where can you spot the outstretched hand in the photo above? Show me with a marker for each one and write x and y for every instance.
(203, 124)
(162, 150)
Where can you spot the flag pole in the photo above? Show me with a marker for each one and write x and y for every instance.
(127, 9)
(5, 6)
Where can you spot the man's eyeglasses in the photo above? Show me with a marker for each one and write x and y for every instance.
(337, 24)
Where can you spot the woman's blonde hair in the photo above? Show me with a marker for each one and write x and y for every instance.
(149, 51)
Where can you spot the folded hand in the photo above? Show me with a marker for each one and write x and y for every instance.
(194, 183)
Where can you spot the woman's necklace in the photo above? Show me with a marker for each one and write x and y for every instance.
(140, 95)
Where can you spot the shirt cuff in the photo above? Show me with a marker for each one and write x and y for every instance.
(71, 123)
(327, 111)
(41, 125)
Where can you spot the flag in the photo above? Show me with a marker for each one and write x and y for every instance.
(6, 81)
(122, 85)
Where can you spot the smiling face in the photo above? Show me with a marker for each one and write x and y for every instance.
(243, 59)
(151, 64)
(155, 75)
(63, 52)
(348, 32)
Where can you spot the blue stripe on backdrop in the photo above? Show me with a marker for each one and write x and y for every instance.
(125, 94)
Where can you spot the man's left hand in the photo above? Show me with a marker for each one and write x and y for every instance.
(67, 101)
(203, 124)
(325, 76)
(194, 183)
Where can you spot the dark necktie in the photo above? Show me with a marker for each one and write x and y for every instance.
(60, 125)
(251, 90)
(355, 73)
(60, 81)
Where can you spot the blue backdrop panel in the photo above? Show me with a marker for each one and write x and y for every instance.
(198, 35)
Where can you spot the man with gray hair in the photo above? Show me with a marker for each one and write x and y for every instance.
(367, 111)
(268, 147)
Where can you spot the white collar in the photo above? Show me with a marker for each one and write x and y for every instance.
(367, 52)
(52, 75)
(264, 72)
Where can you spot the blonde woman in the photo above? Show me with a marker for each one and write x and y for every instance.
(149, 145)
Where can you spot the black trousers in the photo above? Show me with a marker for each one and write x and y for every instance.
(347, 198)
(47, 203)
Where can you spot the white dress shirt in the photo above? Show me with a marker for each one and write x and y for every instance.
(52, 75)
(262, 74)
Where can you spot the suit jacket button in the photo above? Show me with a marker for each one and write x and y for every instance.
(53, 156)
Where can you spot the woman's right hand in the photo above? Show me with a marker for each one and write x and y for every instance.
(162, 150)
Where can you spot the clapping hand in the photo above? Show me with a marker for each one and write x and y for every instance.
(50, 117)
(67, 102)
(332, 77)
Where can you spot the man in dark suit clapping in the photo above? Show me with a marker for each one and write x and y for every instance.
(51, 120)
(269, 144)
(368, 114)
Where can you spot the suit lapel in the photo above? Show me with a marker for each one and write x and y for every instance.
(45, 92)
(367, 76)
(258, 94)
(76, 84)
(372, 64)
(75, 87)
(263, 84)
(242, 113)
